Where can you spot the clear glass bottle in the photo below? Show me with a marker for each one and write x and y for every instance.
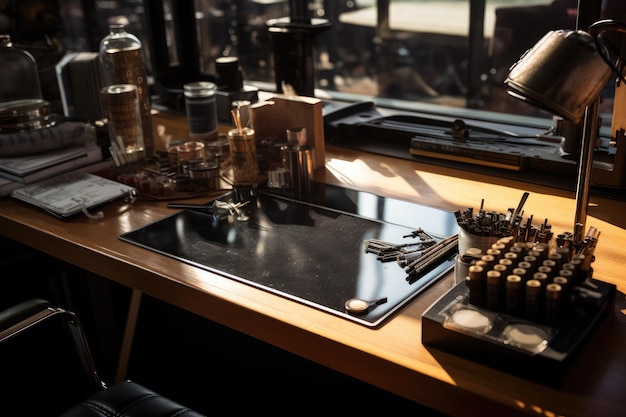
(19, 78)
(121, 54)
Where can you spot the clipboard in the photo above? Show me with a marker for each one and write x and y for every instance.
(69, 194)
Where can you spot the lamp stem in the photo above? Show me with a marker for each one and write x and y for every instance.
(585, 165)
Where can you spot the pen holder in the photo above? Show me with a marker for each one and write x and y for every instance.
(468, 242)
(243, 155)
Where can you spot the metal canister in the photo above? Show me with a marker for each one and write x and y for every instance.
(205, 175)
(299, 163)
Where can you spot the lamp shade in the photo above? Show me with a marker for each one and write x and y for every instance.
(562, 74)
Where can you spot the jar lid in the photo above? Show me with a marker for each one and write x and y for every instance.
(21, 115)
(199, 89)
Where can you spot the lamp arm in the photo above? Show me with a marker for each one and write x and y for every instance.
(599, 28)
(585, 164)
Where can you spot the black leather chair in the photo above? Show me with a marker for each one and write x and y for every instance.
(46, 369)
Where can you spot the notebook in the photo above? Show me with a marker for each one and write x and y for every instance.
(29, 169)
(73, 193)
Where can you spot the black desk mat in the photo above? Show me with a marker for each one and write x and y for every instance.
(309, 251)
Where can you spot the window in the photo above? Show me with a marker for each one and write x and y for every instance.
(454, 53)
(436, 57)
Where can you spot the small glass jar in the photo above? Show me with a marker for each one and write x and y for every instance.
(19, 78)
(22, 106)
(192, 150)
(243, 155)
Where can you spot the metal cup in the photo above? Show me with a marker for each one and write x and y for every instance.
(299, 163)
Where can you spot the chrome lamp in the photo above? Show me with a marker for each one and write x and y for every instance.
(564, 74)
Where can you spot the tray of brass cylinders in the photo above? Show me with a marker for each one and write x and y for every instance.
(188, 169)
(525, 300)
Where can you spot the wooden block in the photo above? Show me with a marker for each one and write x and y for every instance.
(274, 116)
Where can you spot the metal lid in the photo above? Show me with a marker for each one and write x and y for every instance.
(21, 115)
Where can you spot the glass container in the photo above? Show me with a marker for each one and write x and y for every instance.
(121, 55)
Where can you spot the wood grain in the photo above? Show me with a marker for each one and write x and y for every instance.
(391, 357)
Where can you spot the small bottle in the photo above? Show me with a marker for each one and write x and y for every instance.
(243, 155)
(125, 130)
(19, 78)
(121, 55)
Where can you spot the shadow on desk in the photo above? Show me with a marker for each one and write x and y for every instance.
(187, 357)
(28, 273)
(210, 366)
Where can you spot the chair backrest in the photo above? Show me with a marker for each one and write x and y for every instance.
(45, 363)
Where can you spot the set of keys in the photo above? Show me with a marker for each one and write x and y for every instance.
(218, 208)
(400, 252)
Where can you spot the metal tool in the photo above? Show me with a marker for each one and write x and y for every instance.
(360, 306)
(217, 207)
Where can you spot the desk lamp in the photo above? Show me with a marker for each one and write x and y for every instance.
(564, 74)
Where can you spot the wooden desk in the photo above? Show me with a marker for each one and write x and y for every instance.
(391, 357)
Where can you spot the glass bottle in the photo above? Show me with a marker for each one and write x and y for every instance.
(19, 78)
(121, 54)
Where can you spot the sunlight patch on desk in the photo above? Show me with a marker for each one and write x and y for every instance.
(349, 173)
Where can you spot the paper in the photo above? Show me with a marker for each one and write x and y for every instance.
(72, 193)
(25, 173)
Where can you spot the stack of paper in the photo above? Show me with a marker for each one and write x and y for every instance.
(16, 172)
(31, 168)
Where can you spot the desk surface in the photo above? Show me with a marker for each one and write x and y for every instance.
(392, 356)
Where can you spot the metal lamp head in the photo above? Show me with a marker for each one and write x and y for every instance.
(562, 74)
